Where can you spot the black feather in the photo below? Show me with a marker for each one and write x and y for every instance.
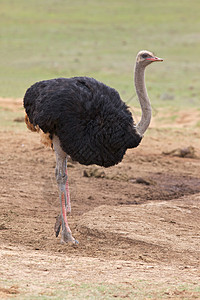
(93, 124)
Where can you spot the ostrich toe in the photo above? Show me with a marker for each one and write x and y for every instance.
(66, 237)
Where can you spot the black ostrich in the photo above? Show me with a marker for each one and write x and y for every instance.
(87, 120)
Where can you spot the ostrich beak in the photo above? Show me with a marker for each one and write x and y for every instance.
(154, 59)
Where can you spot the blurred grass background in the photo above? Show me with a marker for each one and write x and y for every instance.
(62, 38)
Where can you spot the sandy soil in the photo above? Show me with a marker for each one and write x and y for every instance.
(136, 221)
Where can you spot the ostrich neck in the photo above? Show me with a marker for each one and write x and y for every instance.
(143, 98)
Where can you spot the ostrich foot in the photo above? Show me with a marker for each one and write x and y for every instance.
(58, 225)
(66, 237)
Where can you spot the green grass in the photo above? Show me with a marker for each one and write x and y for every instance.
(62, 38)
(138, 290)
(9, 120)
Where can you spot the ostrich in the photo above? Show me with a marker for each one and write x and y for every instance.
(86, 120)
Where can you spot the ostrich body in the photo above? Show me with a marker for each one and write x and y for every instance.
(87, 120)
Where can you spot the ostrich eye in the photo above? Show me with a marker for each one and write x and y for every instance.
(144, 55)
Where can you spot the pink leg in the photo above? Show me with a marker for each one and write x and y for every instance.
(66, 235)
(68, 195)
(64, 213)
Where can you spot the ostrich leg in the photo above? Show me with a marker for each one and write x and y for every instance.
(68, 205)
(67, 191)
(61, 177)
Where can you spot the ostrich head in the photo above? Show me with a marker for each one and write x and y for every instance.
(145, 58)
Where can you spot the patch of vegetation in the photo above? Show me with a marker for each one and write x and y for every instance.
(12, 120)
(198, 124)
(62, 38)
(138, 290)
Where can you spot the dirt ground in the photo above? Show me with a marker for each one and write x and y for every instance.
(135, 222)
